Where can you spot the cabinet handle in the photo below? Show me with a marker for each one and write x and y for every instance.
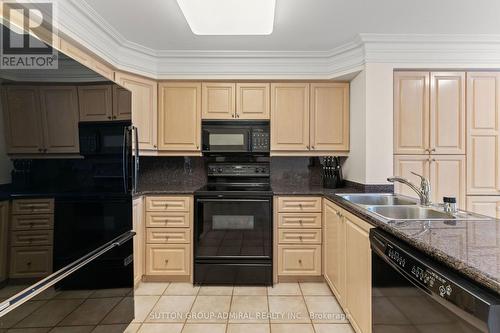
(300, 221)
(300, 237)
(313, 147)
(300, 261)
(40, 149)
(166, 261)
(197, 147)
(114, 117)
(28, 263)
(154, 146)
(433, 149)
(232, 115)
(308, 148)
(109, 117)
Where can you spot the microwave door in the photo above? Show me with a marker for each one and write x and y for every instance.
(233, 140)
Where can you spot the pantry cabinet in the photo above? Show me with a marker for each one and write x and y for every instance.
(180, 117)
(144, 108)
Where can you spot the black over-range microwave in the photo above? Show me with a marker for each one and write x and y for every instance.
(235, 137)
(102, 138)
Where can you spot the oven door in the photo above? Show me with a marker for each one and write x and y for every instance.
(231, 228)
(226, 139)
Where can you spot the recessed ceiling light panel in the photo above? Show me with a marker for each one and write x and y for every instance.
(229, 17)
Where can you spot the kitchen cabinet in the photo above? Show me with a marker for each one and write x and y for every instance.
(96, 102)
(168, 259)
(30, 262)
(59, 108)
(429, 113)
(485, 205)
(139, 239)
(299, 260)
(483, 137)
(122, 103)
(4, 234)
(252, 101)
(218, 100)
(180, 118)
(144, 108)
(446, 173)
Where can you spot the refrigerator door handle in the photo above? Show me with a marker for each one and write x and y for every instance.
(125, 158)
(136, 161)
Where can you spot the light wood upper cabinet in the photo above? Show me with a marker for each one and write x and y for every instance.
(252, 100)
(122, 103)
(290, 117)
(4, 233)
(96, 102)
(404, 165)
(448, 178)
(179, 116)
(59, 107)
(411, 112)
(23, 123)
(144, 108)
(218, 100)
(447, 113)
(329, 116)
(139, 239)
(483, 138)
(485, 205)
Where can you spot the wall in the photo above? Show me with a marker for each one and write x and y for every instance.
(5, 162)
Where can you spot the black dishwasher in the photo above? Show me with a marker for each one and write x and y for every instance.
(412, 293)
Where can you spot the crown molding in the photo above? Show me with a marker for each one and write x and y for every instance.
(80, 22)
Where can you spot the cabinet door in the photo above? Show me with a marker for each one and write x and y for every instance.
(404, 165)
(144, 108)
(447, 132)
(411, 112)
(179, 116)
(30, 262)
(59, 108)
(290, 117)
(122, 103)
(139, 239)
(358, 275)
(218, 100)
(330, 116)
(4, 232)
(334, 261)
(485, 205)
(483, 142)
(23, 123)
(168, 259)
(252, 100)
(299, 260)
(448, 179)
(96, 102)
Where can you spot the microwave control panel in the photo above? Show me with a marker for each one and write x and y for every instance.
(260, 140)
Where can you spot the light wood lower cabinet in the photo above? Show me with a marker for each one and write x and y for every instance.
(485, 205)
(299, 260)
(168, 259)
(33, 206)
(139, 239)
(29, 262)
(4, 238)
(299, 204)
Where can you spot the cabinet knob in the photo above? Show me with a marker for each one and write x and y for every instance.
(40, 149)
(166, 261)
(232, 115)
(28, 263)
(114, 117)
(433, 149)
(300, 221)
(308, 148)
(109, 117)
(300, 261)
(300, 237)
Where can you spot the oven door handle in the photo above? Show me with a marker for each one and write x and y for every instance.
(34, 290)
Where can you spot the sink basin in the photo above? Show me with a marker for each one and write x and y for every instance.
(409, 213)
(378, 199)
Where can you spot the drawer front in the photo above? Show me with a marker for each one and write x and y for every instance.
(295, 220)
(168, 235)
(299, 260)
(168, 259)
(299, 236)
(26, 262)
(299, 204)
(167, 220)
(168, 204)
(32, 222)
(33, 206)
(31, 238)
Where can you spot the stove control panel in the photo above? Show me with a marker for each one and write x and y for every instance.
(238, 170)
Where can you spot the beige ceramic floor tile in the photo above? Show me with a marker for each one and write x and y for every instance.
(325, 309)
(143, 306)
(286, 309)
(117, 328)
(209, 309)
(72, 329)
(50, 313)
(248, 309)
(334, 328)
(46, 295)
(282, 289)
(74, 294)
(121, 313)
(171, 309)
(151, 288)
(250, 291)
(248, 328)
(216, 290)
(161, 328)
(204, 328)
(315, 289)
(116, 292)
(9, 291)
(182, 289)
(91, 312)
(132, 328)
(292, 328)
(15, 316)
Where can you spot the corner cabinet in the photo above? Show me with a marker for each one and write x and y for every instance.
(179, 128)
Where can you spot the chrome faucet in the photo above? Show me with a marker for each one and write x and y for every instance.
(424, 192)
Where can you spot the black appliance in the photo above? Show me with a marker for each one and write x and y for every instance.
(412, 293)
(233, 223)
(235, 137)
(102, 138)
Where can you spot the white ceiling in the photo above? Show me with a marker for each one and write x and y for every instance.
(300, 25)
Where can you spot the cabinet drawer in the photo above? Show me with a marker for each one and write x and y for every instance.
(32, 222)
(294, 220)
(31, 238)
(167, 220)
(168, 259)
(33, 206)
(168, 235)
(299, 236)
(168, 204)
(299, 204)
(26, 262)
(299, 260)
